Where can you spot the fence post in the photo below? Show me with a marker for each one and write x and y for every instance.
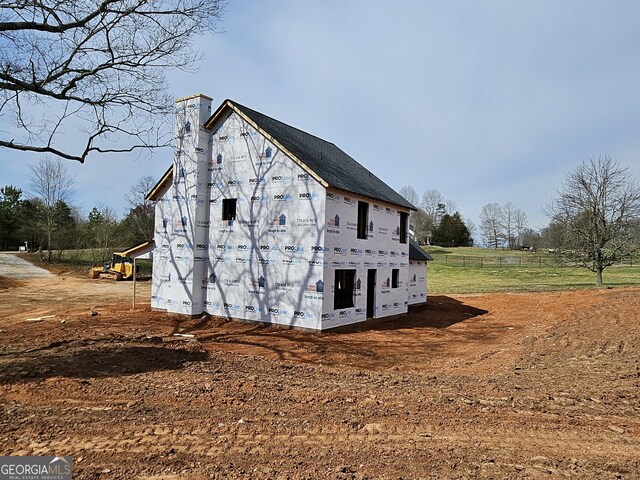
(445, 259)
(520, 261)
(481, 261)
(540, 261)
(499, 262)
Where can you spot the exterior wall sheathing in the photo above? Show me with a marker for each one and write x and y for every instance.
(417, 282)
(380, 251)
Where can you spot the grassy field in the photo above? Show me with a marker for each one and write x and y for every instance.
(476, 270)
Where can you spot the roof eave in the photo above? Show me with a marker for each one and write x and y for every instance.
(424, 255)
(158, 187)
(140, 249)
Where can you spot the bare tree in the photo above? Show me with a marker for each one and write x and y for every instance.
(436, 206)
(450, 206)
(140, 217)
(410, 195)
(52, 184)
(420, 225)
(138, 194)
(433, 203)
(599, 205)
(96, 67)
(521, 224)
(508, 223)
(514, 221)
(491, 221)
(471, 226)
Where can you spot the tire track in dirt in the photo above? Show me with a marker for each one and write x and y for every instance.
(199, 443)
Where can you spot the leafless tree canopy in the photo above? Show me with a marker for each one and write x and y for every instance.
(433, 204)
(491, 224)
(409, 193)
(599, 208)
(521, 225)
(502, 225)
(96, 67)
(141, 210)
(51, 183)
(137, 196)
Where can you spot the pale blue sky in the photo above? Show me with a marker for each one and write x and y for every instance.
(486, 101)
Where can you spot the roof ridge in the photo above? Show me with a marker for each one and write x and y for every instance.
(283, 123)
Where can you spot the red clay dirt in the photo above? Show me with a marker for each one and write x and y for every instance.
(469, 386)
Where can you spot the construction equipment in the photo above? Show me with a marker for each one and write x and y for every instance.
(120, 268)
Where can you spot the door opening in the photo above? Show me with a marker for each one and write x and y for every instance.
(371, 292)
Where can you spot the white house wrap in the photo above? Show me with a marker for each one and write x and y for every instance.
(260, 221)
(418, 259)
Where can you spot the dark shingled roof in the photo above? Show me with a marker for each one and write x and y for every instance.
(417, 253)
(330, 163)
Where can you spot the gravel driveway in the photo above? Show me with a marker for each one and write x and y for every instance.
(12, 266)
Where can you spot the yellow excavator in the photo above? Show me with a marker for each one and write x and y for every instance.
(120, 268)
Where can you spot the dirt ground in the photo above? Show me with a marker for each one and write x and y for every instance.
(469, 386)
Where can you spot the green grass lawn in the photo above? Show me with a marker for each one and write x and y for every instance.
(475, 270)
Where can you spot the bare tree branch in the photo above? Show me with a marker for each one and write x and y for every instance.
(94, 65)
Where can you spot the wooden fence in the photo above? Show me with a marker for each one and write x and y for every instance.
(518, 261)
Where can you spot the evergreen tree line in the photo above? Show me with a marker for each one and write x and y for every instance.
(437, 220)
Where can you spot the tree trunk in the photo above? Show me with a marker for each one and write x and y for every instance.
(599, 277)
(49, 245)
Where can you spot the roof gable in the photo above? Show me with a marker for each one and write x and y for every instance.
(333, 167)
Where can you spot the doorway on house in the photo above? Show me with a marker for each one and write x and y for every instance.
(371, 292)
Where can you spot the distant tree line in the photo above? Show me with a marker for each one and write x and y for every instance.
(46, 220)
(437, 220)
(594, 219)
